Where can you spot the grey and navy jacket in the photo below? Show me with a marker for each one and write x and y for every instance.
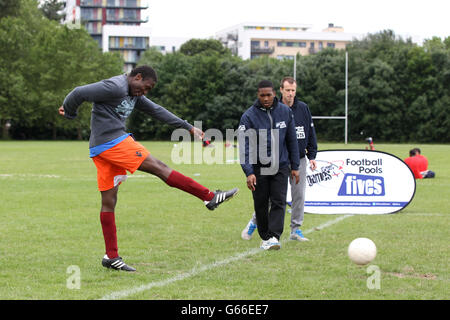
(112, 105)
(278, 117)
(304, 127)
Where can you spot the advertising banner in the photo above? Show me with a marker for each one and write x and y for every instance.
(358, 182)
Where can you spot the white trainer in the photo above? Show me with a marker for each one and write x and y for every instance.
(271, 244)
(298, 235)
(248, 231)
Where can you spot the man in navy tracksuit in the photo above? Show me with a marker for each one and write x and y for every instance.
(307, 144)
(269, 154)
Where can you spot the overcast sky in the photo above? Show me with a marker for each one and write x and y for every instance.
(203, 18)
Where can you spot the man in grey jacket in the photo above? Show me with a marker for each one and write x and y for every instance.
(114, 151)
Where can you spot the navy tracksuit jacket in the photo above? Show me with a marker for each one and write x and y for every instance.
(279, 117)
(304, 127)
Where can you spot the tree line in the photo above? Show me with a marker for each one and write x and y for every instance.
(398, 91)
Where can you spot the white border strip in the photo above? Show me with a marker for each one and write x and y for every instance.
(197, 270)
(28, 175)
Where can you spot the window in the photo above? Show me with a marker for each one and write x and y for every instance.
(128, 42)
(94, 27)
(331, 45)
(291, 44)
(253, 28)
(255, 44)
(285, 57)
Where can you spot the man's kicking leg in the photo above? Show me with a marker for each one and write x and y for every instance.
(177, 180)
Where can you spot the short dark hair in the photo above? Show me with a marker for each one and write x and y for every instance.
(265, 84)
(412, 152)
(417, 150)
(146, 72)
(290, 80)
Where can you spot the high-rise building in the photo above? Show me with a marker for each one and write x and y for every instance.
(114, 24)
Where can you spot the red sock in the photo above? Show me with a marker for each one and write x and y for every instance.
(177, 180)
(108, 222)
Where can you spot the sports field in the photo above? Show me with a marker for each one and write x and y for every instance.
(51, 243)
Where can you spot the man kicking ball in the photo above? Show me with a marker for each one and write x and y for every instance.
(114, 151)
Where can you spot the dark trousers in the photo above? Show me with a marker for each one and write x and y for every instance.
(428, 174)
(270, 191)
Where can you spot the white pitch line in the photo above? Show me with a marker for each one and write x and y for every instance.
(197, 270)
(26, 175)
(427, 214)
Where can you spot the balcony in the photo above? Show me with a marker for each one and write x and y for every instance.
(116, 4)
(128, 43)
(262, 50)
(126, 20)
(90, 18)
(134, 48)
(91, 4)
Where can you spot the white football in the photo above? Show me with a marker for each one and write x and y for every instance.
(362, 251)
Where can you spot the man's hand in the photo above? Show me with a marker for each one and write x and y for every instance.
(295, 175)
(313, 164)
(251, 182)
(197, 133)
(61, 111)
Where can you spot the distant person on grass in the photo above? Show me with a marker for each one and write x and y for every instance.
(114, 151)
(419, 164)
(424, 165)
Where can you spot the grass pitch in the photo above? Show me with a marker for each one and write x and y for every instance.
(50, 235)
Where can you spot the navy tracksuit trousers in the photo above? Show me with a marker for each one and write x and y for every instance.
(270, 190)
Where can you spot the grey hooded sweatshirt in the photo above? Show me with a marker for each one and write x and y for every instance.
(112, 105)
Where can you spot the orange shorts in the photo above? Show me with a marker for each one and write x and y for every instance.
(112, 164)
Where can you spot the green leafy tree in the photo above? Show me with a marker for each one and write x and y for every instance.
(52, 9)
(40, 62)
(204, 46)
(69, 58)
(9, 8)
(16, 37)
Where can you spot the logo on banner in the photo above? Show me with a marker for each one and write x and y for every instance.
(361, 185)
(328, 171)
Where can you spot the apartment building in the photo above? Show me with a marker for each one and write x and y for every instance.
(281, 40)
(114, 24)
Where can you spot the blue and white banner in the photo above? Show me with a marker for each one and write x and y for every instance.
(358, 182)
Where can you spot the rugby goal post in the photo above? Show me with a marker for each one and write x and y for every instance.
(345, 117)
